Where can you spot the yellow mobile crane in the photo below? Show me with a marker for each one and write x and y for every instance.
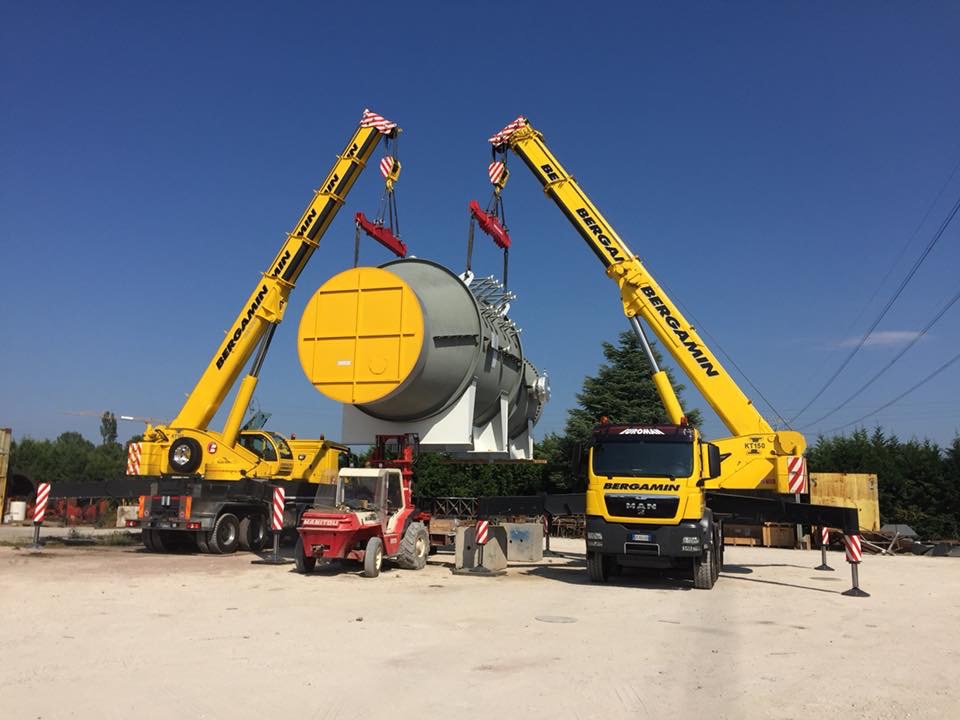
(652, 491)
(218, 485)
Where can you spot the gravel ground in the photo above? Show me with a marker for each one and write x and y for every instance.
(115, 632)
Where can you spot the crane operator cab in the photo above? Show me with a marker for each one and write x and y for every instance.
(644, 501)
(269, 447)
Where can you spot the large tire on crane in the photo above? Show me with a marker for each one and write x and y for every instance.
(414, 547)
(147, 536)
(304, 564)
(225, 536)
(184, 455)
(253, 533)
(703, 570)
(373, 557)
(202, 544)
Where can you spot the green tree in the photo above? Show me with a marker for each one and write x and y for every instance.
(108, 428)
(621, 391)
(918, 482)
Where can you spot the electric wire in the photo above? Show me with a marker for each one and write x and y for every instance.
(896, 262)
(891, 363)
(886, 308)
(899, 397)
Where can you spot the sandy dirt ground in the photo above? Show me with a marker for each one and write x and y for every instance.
(115, 632)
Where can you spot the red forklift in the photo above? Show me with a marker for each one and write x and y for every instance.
(368, 516)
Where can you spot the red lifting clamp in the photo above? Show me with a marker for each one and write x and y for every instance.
(384, 235)
(490, 224)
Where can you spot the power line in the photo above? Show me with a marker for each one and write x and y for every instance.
(886, 308)
(890, 364)
(902, 395)
(896, 262)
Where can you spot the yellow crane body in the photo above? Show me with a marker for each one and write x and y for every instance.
(218, 484)
(646, 501)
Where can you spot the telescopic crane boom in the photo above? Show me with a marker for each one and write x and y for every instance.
(219, 485)
(647, 502)
(264, 309)
(757, 455)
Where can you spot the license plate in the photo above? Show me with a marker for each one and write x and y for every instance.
(641, 537)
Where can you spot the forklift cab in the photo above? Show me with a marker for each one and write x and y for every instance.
(366, 489)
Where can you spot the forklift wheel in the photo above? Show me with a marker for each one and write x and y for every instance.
(373, 557)
(304, 564)
(414, 547)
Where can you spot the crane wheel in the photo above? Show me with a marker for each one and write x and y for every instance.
(225, 536)
(202, 544)
(414, 547)
(703, 570)
(304, 564)
(373, 557)
(598, 567)
(147, 536)
(253, 533)
(184, 455)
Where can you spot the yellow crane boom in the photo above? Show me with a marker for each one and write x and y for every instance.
(264, 309)
(757, 455)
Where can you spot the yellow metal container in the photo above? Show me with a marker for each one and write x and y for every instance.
(857, 490)
(360, 335)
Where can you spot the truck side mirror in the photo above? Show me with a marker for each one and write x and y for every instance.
(713, 461)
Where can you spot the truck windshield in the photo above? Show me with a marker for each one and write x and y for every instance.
(643, 459)
(326, 496)
(359, 493)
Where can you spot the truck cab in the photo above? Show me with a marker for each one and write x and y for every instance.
(644, 500)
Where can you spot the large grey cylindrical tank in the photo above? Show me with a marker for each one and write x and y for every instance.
(409, 366)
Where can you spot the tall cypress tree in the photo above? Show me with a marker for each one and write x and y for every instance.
(622, 391)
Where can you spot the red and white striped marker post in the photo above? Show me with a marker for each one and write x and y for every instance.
(851, 543)
(276, 520)
(39, 510)
(482, 535)
(483, 532)
(824, 541)
(277, 505)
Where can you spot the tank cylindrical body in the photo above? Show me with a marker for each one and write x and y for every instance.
(405, 341)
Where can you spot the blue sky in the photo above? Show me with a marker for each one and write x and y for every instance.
(768, 161)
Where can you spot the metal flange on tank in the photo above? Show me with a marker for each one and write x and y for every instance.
(411, 347)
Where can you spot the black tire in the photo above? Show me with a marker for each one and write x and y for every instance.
(253, 533)
(414, 547)
(717, 556)
(225, 536)
(184, 455)
(373, 557)
(171, 540)
(304, 564)
(703, 576)
(147, 536)
(598, 567)
(202, 541)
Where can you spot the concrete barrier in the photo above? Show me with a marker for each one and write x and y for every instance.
(467, 552)
(524, 542)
